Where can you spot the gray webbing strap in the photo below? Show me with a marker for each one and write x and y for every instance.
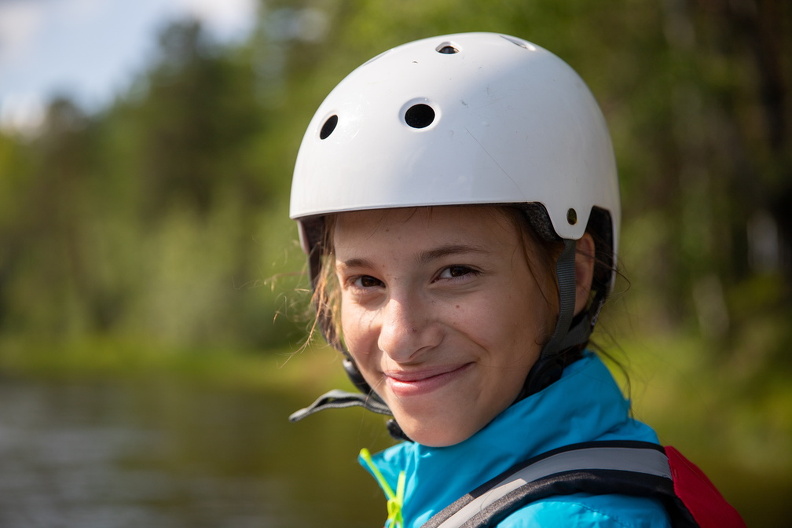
(642, 460)
(565, 271)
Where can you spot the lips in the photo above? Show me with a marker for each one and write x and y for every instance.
(417, 382)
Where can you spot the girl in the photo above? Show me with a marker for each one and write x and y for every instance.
(458, 201)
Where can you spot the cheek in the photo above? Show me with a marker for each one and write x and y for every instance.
(360, 341)
(349, 330)
(523, 318)
(356, 328)
(497, 324)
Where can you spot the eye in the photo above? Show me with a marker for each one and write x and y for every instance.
(455, 272)
(365, 282)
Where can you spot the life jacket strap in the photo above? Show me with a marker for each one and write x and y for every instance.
(625, 467)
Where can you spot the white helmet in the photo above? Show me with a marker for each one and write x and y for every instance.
(474, 118)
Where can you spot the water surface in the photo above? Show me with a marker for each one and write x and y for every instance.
(164, 453)
(169, 454)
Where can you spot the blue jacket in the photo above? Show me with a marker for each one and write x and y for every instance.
(585, 405)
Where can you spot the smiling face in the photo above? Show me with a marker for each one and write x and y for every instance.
(442, 313)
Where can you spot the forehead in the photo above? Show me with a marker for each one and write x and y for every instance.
(425, 225)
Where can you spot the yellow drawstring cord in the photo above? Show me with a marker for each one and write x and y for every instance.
(395, 500)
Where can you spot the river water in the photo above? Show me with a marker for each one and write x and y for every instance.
(165, 454)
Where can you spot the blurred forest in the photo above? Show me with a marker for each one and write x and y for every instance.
(162, 220)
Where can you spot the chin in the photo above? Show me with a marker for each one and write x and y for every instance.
(433, 433)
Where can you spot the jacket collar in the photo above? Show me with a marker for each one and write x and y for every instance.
(584, 405)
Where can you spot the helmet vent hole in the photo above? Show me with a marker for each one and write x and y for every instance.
(572, 217)
(419, 116)
(328, 127)
(447, 49)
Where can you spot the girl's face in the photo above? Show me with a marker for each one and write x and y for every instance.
(441, 313)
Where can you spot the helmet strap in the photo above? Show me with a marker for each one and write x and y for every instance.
(339, 399)
(551, 362)
(565, 273)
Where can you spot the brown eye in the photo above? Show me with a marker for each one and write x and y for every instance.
(458, 271)
(367, 281)
(453, 272)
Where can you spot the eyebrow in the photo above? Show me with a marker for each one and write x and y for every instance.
(425, 256)
(444, 251)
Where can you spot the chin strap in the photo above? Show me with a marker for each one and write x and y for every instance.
(551, 363)
(565, 272)
(339, 399)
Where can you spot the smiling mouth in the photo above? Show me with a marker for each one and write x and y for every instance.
(423, 381)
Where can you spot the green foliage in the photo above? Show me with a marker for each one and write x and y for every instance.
(164, 217)
(150, 220)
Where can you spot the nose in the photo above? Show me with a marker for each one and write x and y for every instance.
(407, 328)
